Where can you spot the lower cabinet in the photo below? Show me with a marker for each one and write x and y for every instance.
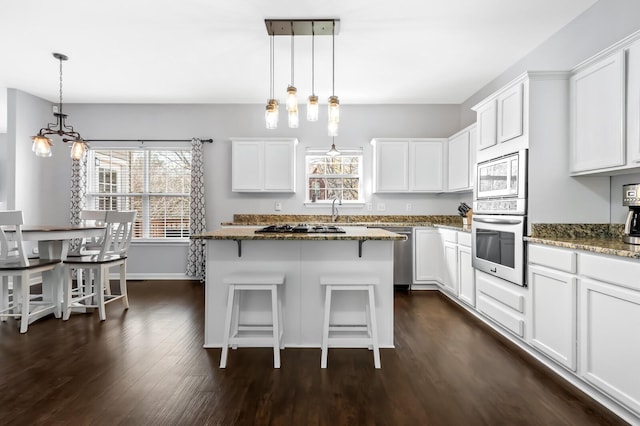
(466, 273)
(502, 301)
(427, 255)
(450, 277)
(553, 314)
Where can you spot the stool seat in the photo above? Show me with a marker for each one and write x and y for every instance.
(348, 335)
(236, 333)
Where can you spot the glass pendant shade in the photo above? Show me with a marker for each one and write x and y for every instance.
(41, 146)
(312, 108)
(78, 149)
(271, 114)
(334, 115)
(293, 118)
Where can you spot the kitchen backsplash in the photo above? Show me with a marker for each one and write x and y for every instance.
(259, 219)
(578, 230)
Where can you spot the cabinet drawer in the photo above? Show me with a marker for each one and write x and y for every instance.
(464, 239)
(616, 271)
(498, 291)
(449, 235)
(550, 257)
(500, 314)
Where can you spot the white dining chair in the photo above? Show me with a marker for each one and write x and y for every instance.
(15, 296)
(88, 246)
(113, 252)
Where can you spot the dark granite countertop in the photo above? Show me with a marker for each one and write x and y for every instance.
(248, 233)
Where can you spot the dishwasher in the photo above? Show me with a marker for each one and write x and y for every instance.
(402, 256)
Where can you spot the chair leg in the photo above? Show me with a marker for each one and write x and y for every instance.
(98, 285)
(67, 291)
(4, 297)
(123, 285)
(275, 320)
(374, 328)
(24, 294)
(325, 327)
(227, 326)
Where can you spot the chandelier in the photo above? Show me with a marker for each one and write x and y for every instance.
(294, 28)
(42, 143)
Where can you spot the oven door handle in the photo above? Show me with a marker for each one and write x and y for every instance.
(497, 221)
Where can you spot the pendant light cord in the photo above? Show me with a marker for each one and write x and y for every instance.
(313, 60)
(60, 104)
(333, 59)
(271, 67)
(292, 55)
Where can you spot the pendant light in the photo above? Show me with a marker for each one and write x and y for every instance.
(333, 151)
(292, 98)
(271, 112)
(334, 103)
(312, 102)
(42, 143)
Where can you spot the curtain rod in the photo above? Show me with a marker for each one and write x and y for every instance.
(146, 140)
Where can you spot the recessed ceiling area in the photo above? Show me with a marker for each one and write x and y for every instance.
(200, 51)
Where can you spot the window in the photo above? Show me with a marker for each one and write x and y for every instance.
(330, 177)
(154, 182)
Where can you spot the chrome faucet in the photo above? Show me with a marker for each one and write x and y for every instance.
(334, 209)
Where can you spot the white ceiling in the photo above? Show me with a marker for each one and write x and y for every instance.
(206, 51)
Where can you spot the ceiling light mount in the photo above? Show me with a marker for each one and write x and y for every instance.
(42, 143)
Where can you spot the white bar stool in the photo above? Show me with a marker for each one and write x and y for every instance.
(241, 334)
(367, 334)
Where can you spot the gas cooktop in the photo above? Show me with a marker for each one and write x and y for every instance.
(301, 228)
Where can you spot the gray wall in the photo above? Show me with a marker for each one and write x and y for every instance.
(605, 23)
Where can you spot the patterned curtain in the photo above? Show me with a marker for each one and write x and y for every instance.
(78, 195)
(197, 256)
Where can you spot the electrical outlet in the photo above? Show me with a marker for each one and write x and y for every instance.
(408, 207)
(369, 206)
(278, 206)
(381, 207)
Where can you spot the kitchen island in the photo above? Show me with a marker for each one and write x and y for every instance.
(302, 258)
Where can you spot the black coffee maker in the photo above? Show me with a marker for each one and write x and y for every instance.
(631, 199)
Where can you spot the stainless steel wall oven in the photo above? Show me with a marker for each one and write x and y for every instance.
(499, 217)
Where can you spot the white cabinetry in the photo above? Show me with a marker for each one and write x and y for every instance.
(408, 165)
(597, 111)
(466, 273)
(461, 160)
(609, 324)
(502, 301)
(502, 116)
(552, 308)
(605, 111)
(427, 255)
(263, 165)
(449, 280)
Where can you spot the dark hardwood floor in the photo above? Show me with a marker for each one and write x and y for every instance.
(146, 366)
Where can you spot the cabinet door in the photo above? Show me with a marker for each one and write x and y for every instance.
(391, 166)
(426, 165)
(427, 255)
(609, 344)
(450, 276)
(633, 104)
(279, 166)
(247, 166)
(510, 113)
(466, 276)
(553, 314)
(459, 162)
(487, 125)
(597, 114)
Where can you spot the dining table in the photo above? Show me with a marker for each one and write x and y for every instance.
(53, 243)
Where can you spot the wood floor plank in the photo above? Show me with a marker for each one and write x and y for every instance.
(147, 366)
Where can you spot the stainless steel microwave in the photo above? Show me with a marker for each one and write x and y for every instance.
(501, 185)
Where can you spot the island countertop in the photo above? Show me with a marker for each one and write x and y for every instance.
(357, 233)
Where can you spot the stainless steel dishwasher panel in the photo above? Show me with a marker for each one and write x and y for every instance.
(402, 256)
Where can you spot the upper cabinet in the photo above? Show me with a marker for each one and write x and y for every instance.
(461, 160)
(263, 165)
(597, 111)
(605, 111)
(501, 116)
(408, 165)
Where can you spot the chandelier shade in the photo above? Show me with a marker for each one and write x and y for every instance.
(42, 143)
